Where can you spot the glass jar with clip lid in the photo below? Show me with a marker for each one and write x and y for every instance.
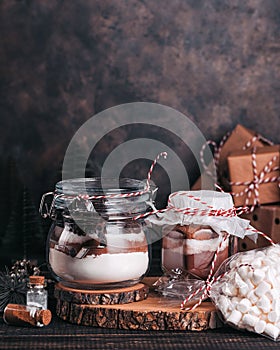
(94, 241)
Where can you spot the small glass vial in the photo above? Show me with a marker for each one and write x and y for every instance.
(21, 315)
(37, 296)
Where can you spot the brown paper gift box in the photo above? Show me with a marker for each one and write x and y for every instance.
(241, 170)
(266, 219)
(235, 142)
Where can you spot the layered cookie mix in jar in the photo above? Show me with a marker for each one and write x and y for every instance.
(194, 225)
(94, 242)
(192, 247)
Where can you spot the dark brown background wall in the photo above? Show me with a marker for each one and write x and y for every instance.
(63, 61)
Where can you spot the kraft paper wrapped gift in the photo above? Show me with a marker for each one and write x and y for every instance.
(239, 138)
(241, 170)
(266, 219)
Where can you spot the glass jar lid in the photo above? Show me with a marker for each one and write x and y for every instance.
(106, 197)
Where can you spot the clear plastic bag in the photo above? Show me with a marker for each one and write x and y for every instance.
(246, 291)
(178, 283)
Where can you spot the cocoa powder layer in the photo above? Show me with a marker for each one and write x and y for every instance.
(95, 248)
(200, 264)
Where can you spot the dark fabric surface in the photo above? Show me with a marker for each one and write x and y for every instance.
(62, 335)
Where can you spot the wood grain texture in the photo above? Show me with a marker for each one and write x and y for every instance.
(64, 335)
(102, 297)
(154, 313)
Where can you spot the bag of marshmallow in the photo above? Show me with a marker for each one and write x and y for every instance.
(246, 291)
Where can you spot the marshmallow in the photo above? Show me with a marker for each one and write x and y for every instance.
(276, 305)
(267, 262)
(273, 316)
(244, 305)
(235, 300)
(264, 304)
(260, 254)
(243, 287)
(252, 297)
(273, 252)
(250, 320)
(274, 280)
(232, 264)
(275, 272)
(243, 271)
(263, 316)
(274, 257)
(234, 317)
(254, 310)
(244, 290)
(272, 294)
(249, 284)
(229, 290)
(224, 304)
(262, 288)
(256, 263)
(244, 259)
(258, 276)
(272, 331)
(260, 326)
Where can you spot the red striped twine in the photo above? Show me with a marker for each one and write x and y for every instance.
(45, 211)
(211, 279)
(204, 212)
(208, 283)
(217, 147)
(217, 151)
(255, 138)
(252, 187)
(119, 195)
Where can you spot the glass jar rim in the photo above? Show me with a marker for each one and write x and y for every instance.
(97, 186)
(103, 191)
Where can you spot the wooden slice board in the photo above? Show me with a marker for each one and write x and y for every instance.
(154, 313)
(102, 297)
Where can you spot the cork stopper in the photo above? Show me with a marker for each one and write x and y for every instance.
(22, 315)
(40, 280)
(44, 317)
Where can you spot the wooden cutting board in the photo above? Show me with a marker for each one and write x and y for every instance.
(153, 313)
